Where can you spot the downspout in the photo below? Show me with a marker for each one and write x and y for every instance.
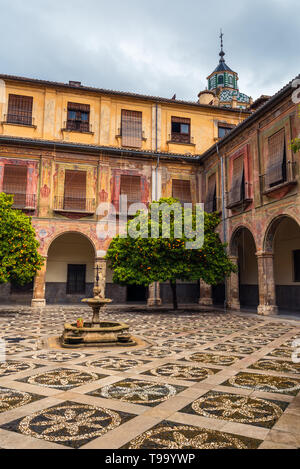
(223, 215)
(156, 174)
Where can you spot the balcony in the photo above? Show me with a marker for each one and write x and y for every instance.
(77, 126)
(76, 205)
(283, 186)
(22, 201)
(20, 118)
(181, 139)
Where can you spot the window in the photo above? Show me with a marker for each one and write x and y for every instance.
(131, 186)
(131, 128)
(237, 191)
(75, 190)
(296, 259)
(220, 80)
(211, 195)
(181, 130)
(181, 190)
(19, 109)
(230, 80)
(76, 279)
(224, 129)
(15, 183)
(78, 117)
(276, 169)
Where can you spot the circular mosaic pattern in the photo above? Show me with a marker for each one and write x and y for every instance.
(138, 392)
(265, 383)
(57, 356)
(280, 366)
(186, 437)
(243, 349)
(69, 422)
(10, 367)
(215, 359)
(182, 372)
(63, 378)
(119, 364)
(242, 409)
(10, 399)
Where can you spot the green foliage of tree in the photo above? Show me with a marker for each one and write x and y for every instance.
(145, 260)
(19, 257)
(295, 145)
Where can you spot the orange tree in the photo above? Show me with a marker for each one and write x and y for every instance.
(144, 259)
(19, 257)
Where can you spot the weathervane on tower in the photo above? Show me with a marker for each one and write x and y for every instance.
(222, 53)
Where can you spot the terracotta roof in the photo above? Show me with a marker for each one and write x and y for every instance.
(91, 89)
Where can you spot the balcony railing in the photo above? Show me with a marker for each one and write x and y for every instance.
(74, 204)
(77, 126)
(21, 118)
(288, 179)
(181, 138)
(22, 200)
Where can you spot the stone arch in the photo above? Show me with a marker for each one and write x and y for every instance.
(233, 245)
(55, 236)
(268, 243)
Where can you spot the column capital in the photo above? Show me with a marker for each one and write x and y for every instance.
(264, 254)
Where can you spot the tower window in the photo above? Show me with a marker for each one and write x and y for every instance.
(220, 80)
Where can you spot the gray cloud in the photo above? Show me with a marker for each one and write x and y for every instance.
(158, 47)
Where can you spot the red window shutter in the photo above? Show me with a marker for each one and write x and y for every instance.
(19, 109)
(236, 191)
(210, 202)
(15, 183)
(75, 190)
(181, 190)
(275, 168)
(131, 128)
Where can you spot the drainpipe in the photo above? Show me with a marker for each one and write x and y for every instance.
(156, 150)
(223, 214)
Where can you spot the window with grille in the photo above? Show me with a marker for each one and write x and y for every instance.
(76, 279)
(276, 168)
(237, 191)
(181, 190)
(211, 195)
(181, 130)
(15, 183)
(75, 190)
(131, 128)
(78, 117)
(131, 186)
(19, 109)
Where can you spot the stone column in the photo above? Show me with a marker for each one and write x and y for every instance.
(154, 295)
(38, 298)
(266, 284)
(99, 290)
(232, 283)
(205, 294)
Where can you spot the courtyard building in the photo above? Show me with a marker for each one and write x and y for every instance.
(65, 148)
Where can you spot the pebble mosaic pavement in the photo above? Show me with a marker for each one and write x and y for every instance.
(204, 380)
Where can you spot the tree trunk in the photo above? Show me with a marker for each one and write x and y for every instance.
(174, 293)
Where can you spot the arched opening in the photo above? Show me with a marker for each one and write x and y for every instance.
(220, 80)
(243, 247)
(283, 239)
(70, 269)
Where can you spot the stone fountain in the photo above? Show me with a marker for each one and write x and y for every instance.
(97, 333)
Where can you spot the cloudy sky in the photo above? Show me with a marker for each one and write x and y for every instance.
(157, 47)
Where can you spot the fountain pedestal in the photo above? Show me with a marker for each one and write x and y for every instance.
(96, 333)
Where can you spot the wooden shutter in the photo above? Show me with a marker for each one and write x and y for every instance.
(76, 279)
(19, 109)
(236, 191)
(15, 183)
(210, 203)
(181, 190)
(77, 123)
(131, 186)
(275, 169)
(131, 128)
(75, 190)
